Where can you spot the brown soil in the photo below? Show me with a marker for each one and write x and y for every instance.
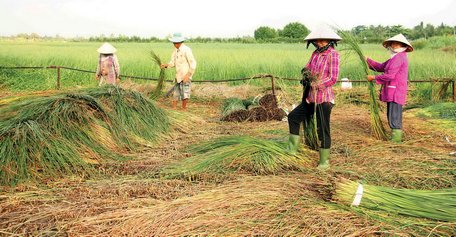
(132, 199)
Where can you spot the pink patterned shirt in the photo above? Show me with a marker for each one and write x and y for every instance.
(325, 67)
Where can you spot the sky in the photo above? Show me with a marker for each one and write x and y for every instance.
(206, 18)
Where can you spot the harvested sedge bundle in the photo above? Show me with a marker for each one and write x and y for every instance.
(161, 79)
(438, 205)
(238, 153)
(310, 132)
(63, 134)
(376, 122)
(231, 105)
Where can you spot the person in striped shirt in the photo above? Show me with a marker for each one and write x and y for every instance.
(323, 68)
(108, 69)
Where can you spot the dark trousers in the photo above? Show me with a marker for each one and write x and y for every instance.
(305, 111)
(394, 112)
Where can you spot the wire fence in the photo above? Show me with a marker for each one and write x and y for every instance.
(260, 76)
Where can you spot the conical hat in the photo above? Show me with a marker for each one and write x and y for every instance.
(106, 48)
(323, 33)
(177, 38)
(399, 38)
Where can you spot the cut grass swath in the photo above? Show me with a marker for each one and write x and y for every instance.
(437, 205)
(63, 134)
(376, 122)
(161, 79)
(237, 153)
(231, 105)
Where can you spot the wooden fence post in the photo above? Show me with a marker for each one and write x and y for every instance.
(454, 90)
(273, 85)
(58, 77)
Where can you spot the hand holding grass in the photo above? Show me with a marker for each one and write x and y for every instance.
(370, 77)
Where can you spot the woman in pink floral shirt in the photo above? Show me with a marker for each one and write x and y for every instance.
(323, 68)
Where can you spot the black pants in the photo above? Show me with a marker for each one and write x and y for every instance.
(394, 112)
(305, 111)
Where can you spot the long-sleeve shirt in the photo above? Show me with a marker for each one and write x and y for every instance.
(394, 78)
(108, 67)
(184, 61)
(324, 67)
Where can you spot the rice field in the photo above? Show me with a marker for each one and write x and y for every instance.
(215, 61)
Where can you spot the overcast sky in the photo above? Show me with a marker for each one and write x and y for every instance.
(209, 18)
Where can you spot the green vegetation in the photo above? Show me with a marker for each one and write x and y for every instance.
(54, 135)
(376, 123)
(161, 78)
(438, 205)
(237, 153)
(215, 61)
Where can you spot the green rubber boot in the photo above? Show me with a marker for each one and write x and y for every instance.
(323, 164)
(396, 136)
(293, 143)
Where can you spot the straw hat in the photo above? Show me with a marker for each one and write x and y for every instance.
(177, 38)
(323, 33)
(106, 48)
(399, 38)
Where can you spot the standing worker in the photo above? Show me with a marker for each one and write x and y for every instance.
(323, 68)
(394, 81)
(108, 69)
(185, 63)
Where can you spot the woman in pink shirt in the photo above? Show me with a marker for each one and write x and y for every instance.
(323, 68)
(394, 81)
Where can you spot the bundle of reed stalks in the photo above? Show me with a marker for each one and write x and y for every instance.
(437, 205)
(161, 79)
(376, 122)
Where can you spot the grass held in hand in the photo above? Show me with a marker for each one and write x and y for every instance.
(376, 122)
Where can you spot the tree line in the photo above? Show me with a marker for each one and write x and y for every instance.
(293, 32)
(365, 34)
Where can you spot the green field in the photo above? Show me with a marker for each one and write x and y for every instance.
(215, 61)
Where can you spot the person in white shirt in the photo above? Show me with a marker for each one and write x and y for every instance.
(184, 62)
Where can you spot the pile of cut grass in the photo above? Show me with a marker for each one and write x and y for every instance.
(265, 109)
(237, 154)
(65, 134)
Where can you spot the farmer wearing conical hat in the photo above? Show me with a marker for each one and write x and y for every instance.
(108, 69)
(323, 71)
(183, 60)
(393, 80)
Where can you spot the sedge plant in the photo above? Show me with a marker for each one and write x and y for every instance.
(376, 122)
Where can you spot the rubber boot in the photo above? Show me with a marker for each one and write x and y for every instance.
(293, 143)
(323, 164)
(396, 136)
(184, 104)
